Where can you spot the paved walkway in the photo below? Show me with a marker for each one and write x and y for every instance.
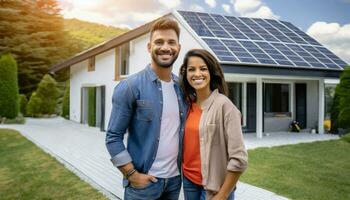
(284, 138)
(81, 149)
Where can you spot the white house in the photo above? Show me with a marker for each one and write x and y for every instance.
(275, 72)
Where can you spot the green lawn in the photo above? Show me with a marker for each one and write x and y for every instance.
(319, 170)
(26, 172)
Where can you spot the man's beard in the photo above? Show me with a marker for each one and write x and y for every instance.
(166, 64)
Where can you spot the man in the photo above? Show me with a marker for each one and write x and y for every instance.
(150, 106)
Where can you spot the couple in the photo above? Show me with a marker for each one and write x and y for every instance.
(178, 132)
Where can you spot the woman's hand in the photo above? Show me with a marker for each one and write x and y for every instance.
(220, 196)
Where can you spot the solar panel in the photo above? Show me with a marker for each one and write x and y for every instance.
(301, 33)
(238, 50)
(243, 28)
(242, 40)
(220, 50)
(232, 30)
(274, 53)
(258, 29)
(196, 24)
(215, 28)
(273, 31)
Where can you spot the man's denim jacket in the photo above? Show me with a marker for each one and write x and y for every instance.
(137, 109)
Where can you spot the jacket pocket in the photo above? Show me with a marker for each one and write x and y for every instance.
(213, 135)
(144, 110)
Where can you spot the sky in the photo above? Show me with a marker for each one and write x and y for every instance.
(328, 21)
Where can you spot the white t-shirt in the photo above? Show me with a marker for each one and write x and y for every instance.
(165, 163)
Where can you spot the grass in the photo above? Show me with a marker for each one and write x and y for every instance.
(26, 172)
(346, 137)
(318, 170)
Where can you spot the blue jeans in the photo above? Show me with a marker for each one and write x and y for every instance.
(193, 191)
(163, 189)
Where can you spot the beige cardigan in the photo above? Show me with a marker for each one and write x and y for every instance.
(221, 141)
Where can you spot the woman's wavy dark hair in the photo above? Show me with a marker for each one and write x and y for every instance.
(217, 80)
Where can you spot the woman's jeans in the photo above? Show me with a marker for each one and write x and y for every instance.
(193, 191)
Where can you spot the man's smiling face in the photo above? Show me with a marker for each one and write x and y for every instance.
(164, 48)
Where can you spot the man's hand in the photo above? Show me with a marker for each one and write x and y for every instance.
(139, 180)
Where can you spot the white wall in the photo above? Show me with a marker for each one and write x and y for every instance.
(80, 77)
(139, 56)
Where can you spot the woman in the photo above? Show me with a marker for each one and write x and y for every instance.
(214, 155)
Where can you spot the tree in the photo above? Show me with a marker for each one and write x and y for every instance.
(9, 106)
(23, 101)
(33, 32)
(335, 113)
(343, 90)
(34, 105)
(44, 100)
(341, 106)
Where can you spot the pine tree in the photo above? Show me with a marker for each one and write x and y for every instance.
(44, 100)
(9, 106)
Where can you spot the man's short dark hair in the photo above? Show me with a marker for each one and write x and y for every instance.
(165, 24)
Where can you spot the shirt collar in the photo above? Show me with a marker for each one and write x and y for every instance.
(210, 100)
(153, 76)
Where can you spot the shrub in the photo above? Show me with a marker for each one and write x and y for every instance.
(34, 105)
(65, 103)
(17, 120)
(44, 100)
(92, 106)
(48, 92)
(335, 113)
(23, 101)
(9, 107)
(343, 92)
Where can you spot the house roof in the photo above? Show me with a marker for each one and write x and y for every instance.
(259, 42)
(238, 41)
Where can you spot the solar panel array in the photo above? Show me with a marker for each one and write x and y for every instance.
(260, 41)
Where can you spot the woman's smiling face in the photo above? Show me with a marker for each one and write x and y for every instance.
(198, 75)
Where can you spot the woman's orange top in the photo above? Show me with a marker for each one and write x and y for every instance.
(191, 153)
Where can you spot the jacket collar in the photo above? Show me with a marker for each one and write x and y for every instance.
(210, 100)
(153, 76)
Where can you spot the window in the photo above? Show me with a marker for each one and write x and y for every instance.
(276, 97)
(122, 60)
(235, 94)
